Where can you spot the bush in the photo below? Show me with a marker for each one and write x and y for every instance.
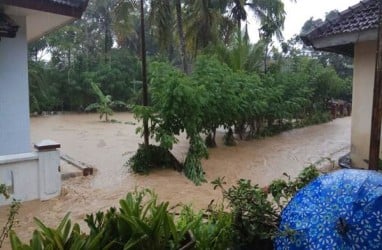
(316, 118)
(255, 218)
(282, 191)
(212, 231)
(141, 223)
(151, 156)
(256, 211)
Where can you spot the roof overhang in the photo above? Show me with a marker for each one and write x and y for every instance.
(52, 6)
(8, 28)
(43, 16)
(341, 43)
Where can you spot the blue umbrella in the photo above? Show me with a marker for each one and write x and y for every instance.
(340, 210)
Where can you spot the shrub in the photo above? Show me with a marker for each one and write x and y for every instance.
(212, 231)
(256, 211)
(141, 223)
(282, 191)
(316, 118)
(255, 217)
(151, 156)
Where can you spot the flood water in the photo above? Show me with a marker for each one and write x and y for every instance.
(107, 146)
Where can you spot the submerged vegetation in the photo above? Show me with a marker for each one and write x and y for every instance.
(252, 105)
(204, 73)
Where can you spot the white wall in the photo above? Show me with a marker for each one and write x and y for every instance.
(363, 85)
(14, 97)
(20, 173)
(30, 176)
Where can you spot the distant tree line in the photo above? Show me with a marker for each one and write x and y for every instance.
(103, 47)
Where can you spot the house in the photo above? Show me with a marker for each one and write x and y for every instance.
(354, 33)
(28, 174)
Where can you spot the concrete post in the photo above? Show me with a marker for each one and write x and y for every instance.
(49, 177)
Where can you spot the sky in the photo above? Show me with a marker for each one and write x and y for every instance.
(299, 12)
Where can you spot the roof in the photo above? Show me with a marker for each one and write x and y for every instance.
(357, 23)
(8, 27)
(72, 8)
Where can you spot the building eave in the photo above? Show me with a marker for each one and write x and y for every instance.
(50, 6)
(341, 43)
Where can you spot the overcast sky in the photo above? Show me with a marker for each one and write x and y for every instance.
(298, 13)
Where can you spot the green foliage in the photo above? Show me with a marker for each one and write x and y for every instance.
(215, 96)
(282, 191)
(11, 218)
(176, 107)
(192, 165)
(212, 231)
(151, 156)
(141, 223)
(105, 104)
(255, 218)
(316, 118)
(256, 211)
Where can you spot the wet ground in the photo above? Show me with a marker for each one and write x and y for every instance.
(107, 146)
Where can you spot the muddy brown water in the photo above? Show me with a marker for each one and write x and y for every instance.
(107, 146)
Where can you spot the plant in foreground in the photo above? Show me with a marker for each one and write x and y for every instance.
(13, 210)
(256, 211)
(140, 223)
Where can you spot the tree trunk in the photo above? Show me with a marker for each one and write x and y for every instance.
(265, 57)
(182, 40)
(146, 132)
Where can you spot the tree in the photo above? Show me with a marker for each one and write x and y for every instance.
(201, 25)
(161, 19)
(101, 12)
(146, 132)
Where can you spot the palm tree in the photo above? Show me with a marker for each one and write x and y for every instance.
(101, 11)
(122, 10)
(182, 40)
(272, 24)
(162, 23)
(202, 21)
(125, 21)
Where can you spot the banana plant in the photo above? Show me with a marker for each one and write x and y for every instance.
(105, 104)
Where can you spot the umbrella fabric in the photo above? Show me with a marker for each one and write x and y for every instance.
(340, 210)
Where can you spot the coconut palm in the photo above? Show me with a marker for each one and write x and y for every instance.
(182, 39)
(125, 20)
(161, 20)
(105, 104)
(202, 21)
